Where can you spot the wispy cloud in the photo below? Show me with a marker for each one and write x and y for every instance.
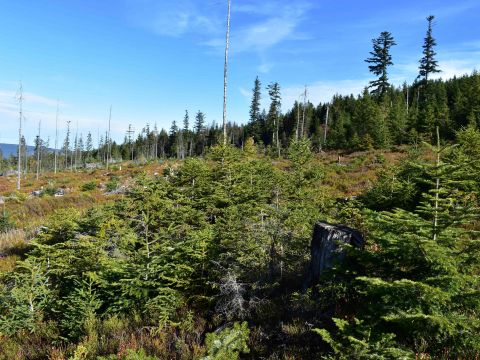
(38, 108)
(279, 22)
(174, 17)
(265, 67)
(264, 25)
(245, 93)
(8, 96)
(454, 62)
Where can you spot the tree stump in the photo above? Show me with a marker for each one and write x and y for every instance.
(327, 248)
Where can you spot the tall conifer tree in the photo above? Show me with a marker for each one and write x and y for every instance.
(274, 112)
(381, 59)
(255, 105)
(428, 64)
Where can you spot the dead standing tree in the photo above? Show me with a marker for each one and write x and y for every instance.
(56, 137)
(108, 137)
(225, 73)
(20, 102)
(303, 115)
(39, 150)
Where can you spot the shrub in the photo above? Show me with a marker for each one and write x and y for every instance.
(228, 343)
(5, 223)
(112, 185)
(49, 191)
(89, 186)
(130, 355)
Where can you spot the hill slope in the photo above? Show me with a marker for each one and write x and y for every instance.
(12, 149)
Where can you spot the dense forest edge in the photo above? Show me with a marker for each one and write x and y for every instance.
(203, 250)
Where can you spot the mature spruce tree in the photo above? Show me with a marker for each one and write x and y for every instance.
(428, 64)
(175, 149)
(381, 59)
(254, 126)
(255, 105)
(186, 133)
(273, 117)
(89, 145)
(199, 128)
(199, 122)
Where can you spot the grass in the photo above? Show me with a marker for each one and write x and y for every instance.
(12, 244)
(12, 240)
(32, 212)
(356, 171)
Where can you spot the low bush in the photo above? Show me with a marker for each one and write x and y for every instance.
(89, 186)
(5, 223)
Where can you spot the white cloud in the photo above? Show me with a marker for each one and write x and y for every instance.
(244, 92)
(264, 24)
(10, 97)
(451, 63)
(459, 63)
(279, 22)
(265, 67)
(38, 108)
(173, 17)
(179, 17)
(451, 68)
(269, 7)
(263, 35)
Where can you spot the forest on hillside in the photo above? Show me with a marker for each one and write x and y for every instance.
(401, 116)
(204, 250)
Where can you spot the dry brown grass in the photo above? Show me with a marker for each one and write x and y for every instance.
(12, 239)
(356, 171)
(28, 212)
(12, 244)
(8, 263)
(74, 180)
(32, 212)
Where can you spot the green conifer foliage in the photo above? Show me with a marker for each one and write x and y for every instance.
(381, 59)
(428, 64)
(420, 273)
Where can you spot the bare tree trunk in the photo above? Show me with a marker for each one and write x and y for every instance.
(108, 138)
(303, 116)
(19, 170)
(75, 150)
(130, 133)
(67, 144)
(225, 73)
(56, 138)
(39, 149)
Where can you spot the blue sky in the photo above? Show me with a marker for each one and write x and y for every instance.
(153, 59)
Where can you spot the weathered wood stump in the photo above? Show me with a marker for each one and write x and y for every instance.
(326, 248)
